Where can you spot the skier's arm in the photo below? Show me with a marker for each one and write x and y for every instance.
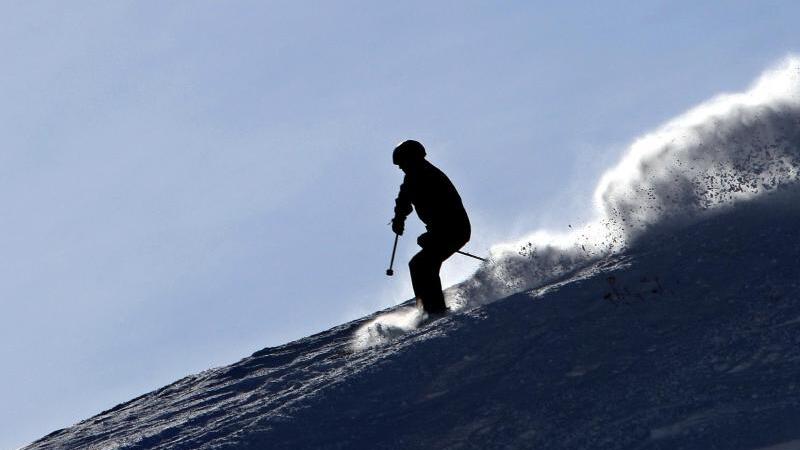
(402, 208)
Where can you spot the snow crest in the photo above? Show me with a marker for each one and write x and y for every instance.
(734, 147)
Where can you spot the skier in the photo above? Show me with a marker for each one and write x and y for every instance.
(439, 206)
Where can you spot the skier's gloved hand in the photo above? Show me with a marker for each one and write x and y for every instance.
(398, 225)
(424, 239)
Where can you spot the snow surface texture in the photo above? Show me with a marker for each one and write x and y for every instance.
(671, 321)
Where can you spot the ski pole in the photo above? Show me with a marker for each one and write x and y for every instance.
(471, 255)
(389, 271)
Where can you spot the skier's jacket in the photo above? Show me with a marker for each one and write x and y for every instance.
(436, 200)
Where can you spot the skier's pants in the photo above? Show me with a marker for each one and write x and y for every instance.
(424, 268)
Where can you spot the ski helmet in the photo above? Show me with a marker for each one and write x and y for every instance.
(408, 151)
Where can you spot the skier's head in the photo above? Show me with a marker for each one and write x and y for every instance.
(407, 154)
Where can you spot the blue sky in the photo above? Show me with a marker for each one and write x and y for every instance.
(185, 183)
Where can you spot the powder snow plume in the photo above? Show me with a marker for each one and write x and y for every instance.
(731, 148)
(387, 327)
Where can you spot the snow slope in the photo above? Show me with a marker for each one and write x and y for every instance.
(670, 321)
(695, 344)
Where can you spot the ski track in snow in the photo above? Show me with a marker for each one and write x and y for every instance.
(669, 321)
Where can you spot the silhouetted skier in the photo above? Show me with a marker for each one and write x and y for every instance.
(439, 206)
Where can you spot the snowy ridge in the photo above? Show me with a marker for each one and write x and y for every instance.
(670, 321)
